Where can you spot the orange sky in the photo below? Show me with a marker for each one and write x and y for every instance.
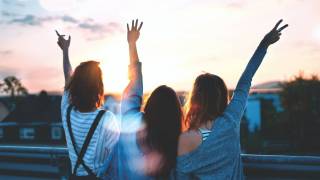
(179, 40)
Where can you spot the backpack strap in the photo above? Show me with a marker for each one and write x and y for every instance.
(86, 142)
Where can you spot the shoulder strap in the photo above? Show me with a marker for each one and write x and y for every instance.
(86, 142)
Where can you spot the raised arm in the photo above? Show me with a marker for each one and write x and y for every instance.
(132, 95)
(64, 45)
(240, 95)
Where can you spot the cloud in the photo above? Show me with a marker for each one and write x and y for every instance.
(100, 29)
(70, 19)
(28, 20)
(5, 52)
(14, 3)
(32, 20)
(8, 14)
(97, 30)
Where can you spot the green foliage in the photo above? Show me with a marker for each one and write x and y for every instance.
(295, 130)
(301, 102)
(11, 85)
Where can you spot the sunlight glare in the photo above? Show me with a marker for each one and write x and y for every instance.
(114, 65)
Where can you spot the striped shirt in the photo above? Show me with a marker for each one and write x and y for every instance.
(204, 133)
(103, 140)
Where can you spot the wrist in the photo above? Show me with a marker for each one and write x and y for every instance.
(66, 50)
(132, 43)
(264, 44)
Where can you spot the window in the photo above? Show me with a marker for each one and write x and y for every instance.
(56, 133)
(27, 133)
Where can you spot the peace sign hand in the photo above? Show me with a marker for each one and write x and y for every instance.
(133, 33)
(63, 43)
(274, 35)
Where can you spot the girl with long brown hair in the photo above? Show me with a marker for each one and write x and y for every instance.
(210, 149)
(149, 137)
(91, 131)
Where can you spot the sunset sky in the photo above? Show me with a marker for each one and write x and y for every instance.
(179, 39)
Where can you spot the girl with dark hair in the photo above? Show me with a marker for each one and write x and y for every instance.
(91, 132)
(210, 149)
(149, 139)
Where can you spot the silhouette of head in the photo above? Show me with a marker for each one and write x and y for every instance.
(86, 87)
(208, 100)
(163, 117)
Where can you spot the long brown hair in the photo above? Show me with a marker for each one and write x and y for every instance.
(207, 101)
(163, 118)
(86, 87)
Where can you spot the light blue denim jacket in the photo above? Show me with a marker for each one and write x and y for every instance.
(219, 156)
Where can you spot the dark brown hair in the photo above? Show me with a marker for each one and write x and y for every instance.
(207, 101)
(86, 87)
(163, 118)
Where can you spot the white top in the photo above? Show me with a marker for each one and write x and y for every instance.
(103, 140)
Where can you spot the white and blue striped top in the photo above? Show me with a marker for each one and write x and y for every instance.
(103, 140)
(204, 133)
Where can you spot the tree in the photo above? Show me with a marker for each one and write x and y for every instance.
(301, 102)
(11, 85)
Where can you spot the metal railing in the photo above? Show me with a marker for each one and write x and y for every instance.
(52, 161)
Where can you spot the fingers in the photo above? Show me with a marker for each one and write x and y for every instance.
(140, 26)
(57, 33)
(136, 25)
(132, 25)
(278, 23)
(69, 38)
(282, 28)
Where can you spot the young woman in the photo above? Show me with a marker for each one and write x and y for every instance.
(210, 149)
(149, 139)
(91, 132)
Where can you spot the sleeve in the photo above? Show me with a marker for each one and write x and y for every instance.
(132, 96)
(64, 102)
(237, 105)
(110, 133)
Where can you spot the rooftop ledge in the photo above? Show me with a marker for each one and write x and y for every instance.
(255, 166)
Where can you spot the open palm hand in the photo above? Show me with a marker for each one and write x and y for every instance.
(133, 33)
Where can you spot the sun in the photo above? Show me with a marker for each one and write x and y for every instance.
(114, 65)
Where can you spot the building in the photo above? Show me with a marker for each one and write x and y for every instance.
(36, 119)
(266, 91)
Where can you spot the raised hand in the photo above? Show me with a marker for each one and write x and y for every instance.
(133, 33)
(63, 43)
(274, 35)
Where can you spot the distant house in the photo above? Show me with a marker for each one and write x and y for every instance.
(4, 107)
(266, 91)
(36, 119)
(32, 120)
